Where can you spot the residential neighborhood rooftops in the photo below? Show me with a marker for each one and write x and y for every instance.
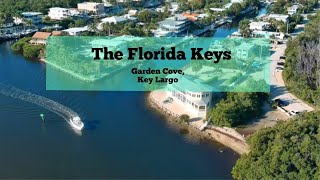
(178, 17)
(76, 30)
(58, 8)
(41, 35)
(191, 16)
(260, 23)
(113, 19)
(294, 7)
(279, 17)
(31, 13)
(171, 22)
(56, 33)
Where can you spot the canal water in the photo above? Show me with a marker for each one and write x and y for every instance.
(122, 137)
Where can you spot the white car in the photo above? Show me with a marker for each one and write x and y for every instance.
(279, 69)
(293, 113)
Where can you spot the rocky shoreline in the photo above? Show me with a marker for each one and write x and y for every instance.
(216, 134)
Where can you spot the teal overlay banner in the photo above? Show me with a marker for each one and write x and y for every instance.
(125, 63)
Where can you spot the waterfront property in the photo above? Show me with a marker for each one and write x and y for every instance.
(34, 17)
(267, 34)
(197, 103)
(173, 26)
(261, 26)
(7, 28)
(114, 19)
(91, 7)
(76, 31)
(39, 38)
(58, 13)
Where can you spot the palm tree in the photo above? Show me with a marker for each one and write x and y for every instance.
(106, 28)
(94, 25)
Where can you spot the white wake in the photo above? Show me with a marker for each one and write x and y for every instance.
(48, 104)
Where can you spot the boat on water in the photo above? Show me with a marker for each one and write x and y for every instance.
(76, 123)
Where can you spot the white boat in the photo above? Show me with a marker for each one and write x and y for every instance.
(76, 123)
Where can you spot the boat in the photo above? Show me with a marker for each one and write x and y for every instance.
(76, 123)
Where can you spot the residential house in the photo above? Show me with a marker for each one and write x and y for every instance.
(133, 12)
(76, 31)
(279, 17)
(293, 9)
(267, 34)
(174, 7)
(40, 38)
(244, 50)
(58, 13)
(114, 19)
(56, 33)
(259, 25)
(91, 7)
(34, 17)
(191, 16)
(173, 26)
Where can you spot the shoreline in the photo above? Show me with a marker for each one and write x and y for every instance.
(216, 134)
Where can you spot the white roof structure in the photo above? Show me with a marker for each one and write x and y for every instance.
(113, 19)
(58, 8)
(258, 25)
(31, 13)
(133, 12)
(217, 9)
(279, 17)
(236, 1)
(76, 30)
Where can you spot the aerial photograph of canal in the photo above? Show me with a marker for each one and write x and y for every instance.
(54, 124)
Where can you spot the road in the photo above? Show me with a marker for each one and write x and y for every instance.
(278, 88)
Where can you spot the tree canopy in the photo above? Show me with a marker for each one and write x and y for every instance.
(302, 67)
(237, 108)
(289, 150)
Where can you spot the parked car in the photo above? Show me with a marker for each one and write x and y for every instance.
(282, 57)
(280, 102)
(279, 69)
(293, 113)
(280, 63)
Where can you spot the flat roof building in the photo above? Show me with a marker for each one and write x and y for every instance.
(92, 7)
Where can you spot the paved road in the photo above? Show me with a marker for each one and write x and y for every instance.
(278, 89)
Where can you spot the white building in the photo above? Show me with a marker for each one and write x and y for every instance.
(259, 25)
(92, 7)
(236, 1)
(244, 50)
(58, 13)
(197, 103)
(267, 34)
(34, 17)
(279, 17)
(76, 31)
(114, 19)
(172, 26)
(132, 12)
(293, 9)
(174, 6)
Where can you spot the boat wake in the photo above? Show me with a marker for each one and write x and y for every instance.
(48, 104)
